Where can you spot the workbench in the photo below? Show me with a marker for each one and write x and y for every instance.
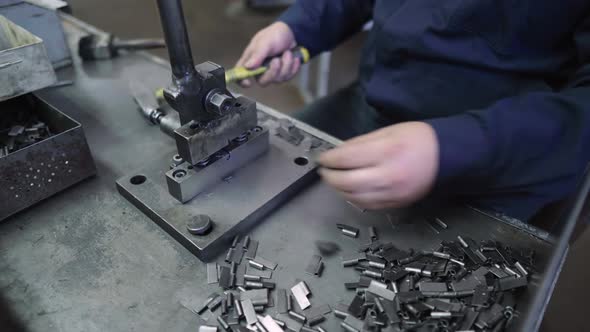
(88, 260)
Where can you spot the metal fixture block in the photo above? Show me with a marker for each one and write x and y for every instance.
(196, 143)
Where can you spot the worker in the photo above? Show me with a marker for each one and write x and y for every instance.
(485, 102)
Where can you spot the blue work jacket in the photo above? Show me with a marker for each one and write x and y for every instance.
(504, 83)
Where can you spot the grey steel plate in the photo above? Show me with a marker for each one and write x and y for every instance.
(234, 204)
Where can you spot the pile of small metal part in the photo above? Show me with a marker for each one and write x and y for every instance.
(461, 286)
(248, 293)
(19, 130)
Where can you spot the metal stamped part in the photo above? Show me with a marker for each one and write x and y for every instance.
(249, 312)
(300, 292)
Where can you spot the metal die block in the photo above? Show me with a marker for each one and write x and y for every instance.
(187, 181)
(196, 143)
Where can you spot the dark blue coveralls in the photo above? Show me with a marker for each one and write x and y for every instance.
(504, 83)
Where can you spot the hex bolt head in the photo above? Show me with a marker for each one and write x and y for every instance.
(177, 160)
(199, 225)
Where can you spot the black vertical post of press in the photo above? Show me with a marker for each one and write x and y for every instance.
(185, 96)
(175, 33)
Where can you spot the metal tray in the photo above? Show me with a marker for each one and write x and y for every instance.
(38, 171)
(41, 18)
(24, 64)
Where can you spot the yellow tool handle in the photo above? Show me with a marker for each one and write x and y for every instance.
(240, 73)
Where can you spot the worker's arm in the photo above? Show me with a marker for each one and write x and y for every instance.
(320, 25)
(317, 25)
(536, 144)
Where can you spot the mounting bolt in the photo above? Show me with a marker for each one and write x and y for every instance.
(177, 160)
(199, 225)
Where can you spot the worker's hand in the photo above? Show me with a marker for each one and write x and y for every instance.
(391, 167)
(273, 40)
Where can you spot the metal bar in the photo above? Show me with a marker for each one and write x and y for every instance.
(175, 32)
(323, 73)
(139, 44)
(186, 95)
(303, 84)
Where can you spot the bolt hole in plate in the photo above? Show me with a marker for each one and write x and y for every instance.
(179, 174)
(137, 180)
(301, 161)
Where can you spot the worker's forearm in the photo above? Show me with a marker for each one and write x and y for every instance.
(533, 143)
(320, 25)
(538, 142)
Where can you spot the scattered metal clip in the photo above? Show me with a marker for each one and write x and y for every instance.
(315, 266)
(300, 292)
(348, 230)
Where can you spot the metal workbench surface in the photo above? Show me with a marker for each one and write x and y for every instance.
(87, 260)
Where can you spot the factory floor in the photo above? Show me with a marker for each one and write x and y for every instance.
(219, 30)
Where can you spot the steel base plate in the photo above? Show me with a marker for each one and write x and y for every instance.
(235, 204)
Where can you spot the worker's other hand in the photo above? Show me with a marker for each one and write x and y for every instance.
(391, 167)
(273, 40)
